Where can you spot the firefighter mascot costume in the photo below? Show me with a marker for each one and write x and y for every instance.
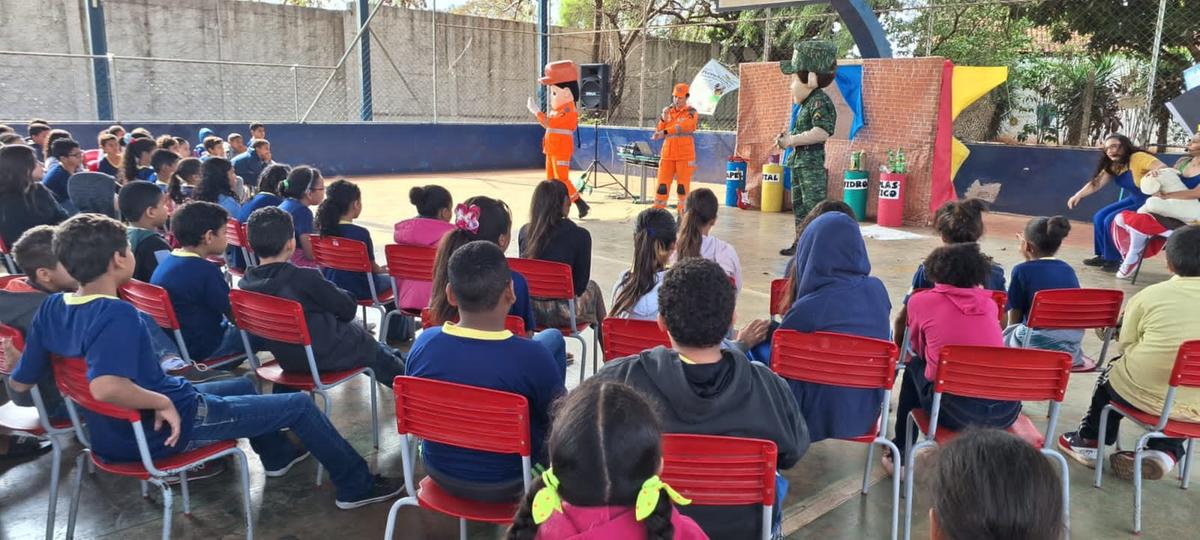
(562, 80)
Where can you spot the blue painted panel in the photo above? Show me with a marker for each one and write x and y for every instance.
(713, 149)
(1037, 181)
(373, 148)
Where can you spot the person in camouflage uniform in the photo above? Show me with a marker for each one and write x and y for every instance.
(813, 118)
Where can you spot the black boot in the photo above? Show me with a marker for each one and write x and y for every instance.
(788, 251)
(583, 207)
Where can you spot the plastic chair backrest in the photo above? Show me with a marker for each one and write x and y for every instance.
(3, 246)
(463, 416)
(999, 297)
(834, 359)
(512, 323)
(1003, 373)
(778, 290)
(1075, 309)
(547, 279)
(235, 233)
(5, 280)
(340, 253)
(720, 471)
(91, 155)
(1187, 365)
(151, 300)
(70, 375)
(628, 337)
(410, 262)
(270, 317)
(11, 335)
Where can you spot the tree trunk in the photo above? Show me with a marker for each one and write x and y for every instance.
(597, 24)
(1085, 119)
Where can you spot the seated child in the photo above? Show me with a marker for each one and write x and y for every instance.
(1042, 271)
(698, 387)
(338, 341)
(183, 183)
(488, 219)
(435, 211)
(956, 311)
(163, 162)
(268, 185)
(304, 187)
(550, 235)
(991, 485)
(144, 209)
(635, 296)
(335, 217)
(699, 218)
(956, 222)
(123, 371)
(604, 434)
(195, 284)
(1156, 322)
(478, 351)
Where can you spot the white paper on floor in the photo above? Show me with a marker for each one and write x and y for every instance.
(876, 232)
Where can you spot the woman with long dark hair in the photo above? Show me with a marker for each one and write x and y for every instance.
(552, 236)
(695, 241)
(24, 202)
(1123, 162)
(135, 162)
(218, 184)
(635, 295)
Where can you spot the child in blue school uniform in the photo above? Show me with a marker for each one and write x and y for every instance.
(479, 351)
(303, 187)
(195, 284)
(123, 370)
(1041, 271)
(335, 217)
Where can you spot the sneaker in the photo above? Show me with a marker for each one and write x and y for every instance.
(381, 490)
(206, 470)
(1095, 261)
(1081, 450)
(1155, 464)
(284, 470)
(1126, 272)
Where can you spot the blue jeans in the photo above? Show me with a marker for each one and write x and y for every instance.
(1102, 241)
(553, 341)
(231, 343)
(233, 409)
(163, 343)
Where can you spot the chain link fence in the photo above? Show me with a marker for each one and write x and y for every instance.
(1078, 69)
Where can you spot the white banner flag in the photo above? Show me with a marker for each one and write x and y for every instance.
(713, 81)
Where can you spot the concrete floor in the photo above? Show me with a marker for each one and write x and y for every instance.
(823, 502)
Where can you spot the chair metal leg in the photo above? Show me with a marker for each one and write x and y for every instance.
(55, 472)
(582, 356)
(325, 408)
(909, 460)
(374, 407)
(595, 349)
(167, 510)
(244, 475)
(462, 529)
(75, 485)
(895, 485)
(145, 490)
(1108, 334)
(411, 500)
(1065, 476)
(183, 487)
(1186, 471)
(1138, 453)
(1100, 445)
(866, 484)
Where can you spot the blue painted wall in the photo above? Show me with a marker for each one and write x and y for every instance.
(373, 148)
(1037, 181)
(713, 148)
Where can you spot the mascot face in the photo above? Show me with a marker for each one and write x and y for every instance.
(800, 89)
(560, 97)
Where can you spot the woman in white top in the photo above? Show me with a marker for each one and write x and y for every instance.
(694, 240)
(635, 295)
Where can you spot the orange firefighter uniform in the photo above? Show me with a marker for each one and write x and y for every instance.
(678, 159)
(560, 123)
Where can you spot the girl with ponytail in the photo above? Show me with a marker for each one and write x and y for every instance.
(694, 240)
(605, 453)
(335, 217)
(183, 183)
(552, 236)
(435, 211)
(135, 162)
(303, 188)
(1041, 271)
(635, 295)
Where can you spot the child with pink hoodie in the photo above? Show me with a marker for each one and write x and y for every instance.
(958, 310)
(605, 451)
(434, 210)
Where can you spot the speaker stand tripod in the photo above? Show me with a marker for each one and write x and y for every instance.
(594, 168)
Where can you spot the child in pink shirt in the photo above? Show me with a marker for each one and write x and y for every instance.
(956, 311)
(605, 451)
(434, 210)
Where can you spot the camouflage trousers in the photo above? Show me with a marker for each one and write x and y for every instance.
(809, 186)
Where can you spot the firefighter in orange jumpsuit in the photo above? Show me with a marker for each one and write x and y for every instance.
(562, 80)
(678, 160)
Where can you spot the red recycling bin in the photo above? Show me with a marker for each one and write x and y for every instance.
(891, 199)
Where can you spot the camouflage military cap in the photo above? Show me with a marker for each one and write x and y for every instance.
(814, 55)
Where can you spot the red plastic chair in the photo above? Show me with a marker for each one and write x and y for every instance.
(512, 323)
(155, 302)
(627, 337)
(1186, 374)
(409, 263)
(10, 264)
(722, 471)
(778, 290)
(235, 234)
(70, 375)
(466, 417)
(999, 373)
(33, 422)
(91, 159)
(280, 319)
(848, 362)
(351, 256)
(1076, 309)
(553, 281)
(5, 280)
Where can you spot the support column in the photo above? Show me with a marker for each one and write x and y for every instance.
(367, 112)
(543, 30)
(98, 45)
